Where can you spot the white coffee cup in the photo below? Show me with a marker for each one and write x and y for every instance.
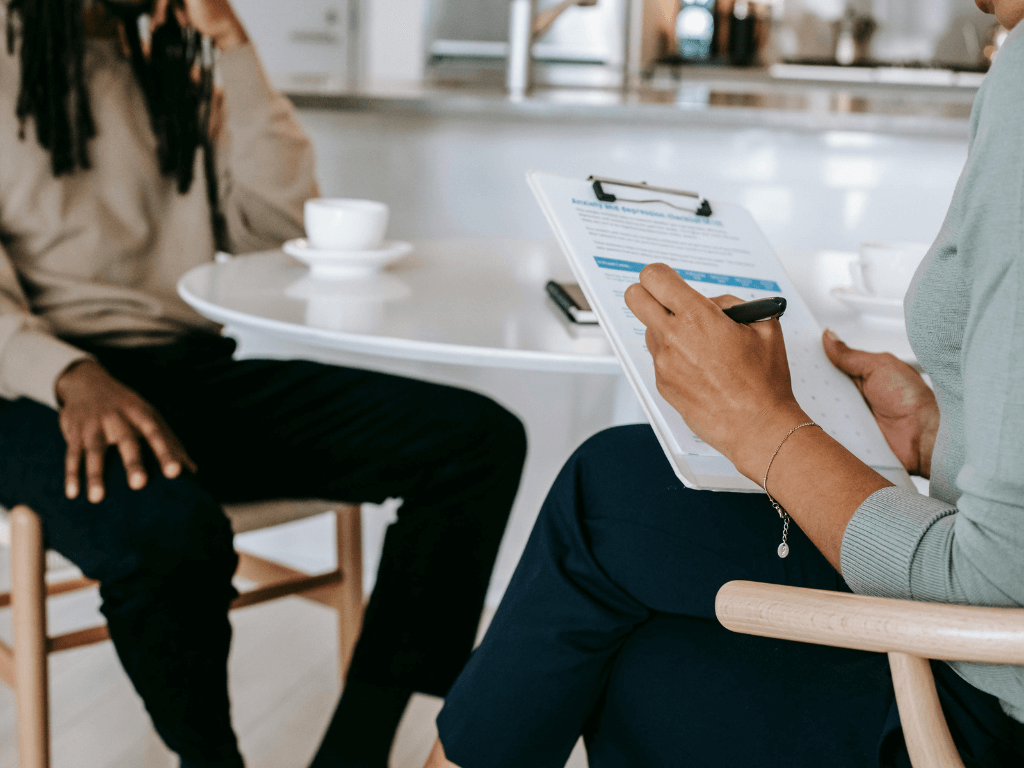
(345, 224)
(886, 269)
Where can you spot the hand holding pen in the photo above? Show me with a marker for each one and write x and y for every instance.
(728, 377)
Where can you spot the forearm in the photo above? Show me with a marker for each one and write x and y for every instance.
(813, 477)
(265, 160)
(31, 359)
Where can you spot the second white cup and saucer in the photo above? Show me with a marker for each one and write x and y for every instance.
(880, 277)
(345, 239)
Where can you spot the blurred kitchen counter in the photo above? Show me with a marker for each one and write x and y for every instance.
(697, 97)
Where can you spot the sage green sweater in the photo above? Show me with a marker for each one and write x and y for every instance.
(965, 317)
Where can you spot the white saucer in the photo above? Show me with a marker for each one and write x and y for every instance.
(874, 310)
(343, 265)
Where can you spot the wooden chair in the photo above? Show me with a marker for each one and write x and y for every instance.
(23, 667)
(910, 632)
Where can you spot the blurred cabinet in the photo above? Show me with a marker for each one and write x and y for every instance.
(479, 29)
(304, 39)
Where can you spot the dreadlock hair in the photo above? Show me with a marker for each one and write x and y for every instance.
(52, 84)
(176, 79)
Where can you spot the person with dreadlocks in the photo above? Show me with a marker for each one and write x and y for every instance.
(124, 420)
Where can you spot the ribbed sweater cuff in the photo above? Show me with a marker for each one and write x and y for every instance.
(882, 539)
(32, 363)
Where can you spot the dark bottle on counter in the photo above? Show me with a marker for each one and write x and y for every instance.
(742, 34)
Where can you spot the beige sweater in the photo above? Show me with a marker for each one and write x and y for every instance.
(97, 254)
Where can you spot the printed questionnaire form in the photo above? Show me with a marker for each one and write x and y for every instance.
(607, 244)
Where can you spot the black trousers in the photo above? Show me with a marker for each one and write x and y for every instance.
(608, 630)
(266, 429)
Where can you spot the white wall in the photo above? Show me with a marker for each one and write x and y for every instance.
(307, 38)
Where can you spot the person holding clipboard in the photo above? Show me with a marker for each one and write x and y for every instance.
(608, 627)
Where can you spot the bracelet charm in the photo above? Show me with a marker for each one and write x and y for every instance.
(783, 549)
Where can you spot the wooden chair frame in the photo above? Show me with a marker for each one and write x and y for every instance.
(23, 667)
(910, 632)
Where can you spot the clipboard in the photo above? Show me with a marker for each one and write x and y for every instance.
(701, 207)
(717, 248)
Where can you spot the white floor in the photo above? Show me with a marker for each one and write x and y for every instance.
(284, 684)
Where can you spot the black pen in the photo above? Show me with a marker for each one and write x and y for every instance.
(758, 310)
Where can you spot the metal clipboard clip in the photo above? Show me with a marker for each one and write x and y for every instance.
(701, 207)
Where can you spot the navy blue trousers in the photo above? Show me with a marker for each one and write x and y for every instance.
(264, 429)
(608, 630)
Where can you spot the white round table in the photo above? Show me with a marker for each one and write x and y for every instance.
(467, 301)
(478, 302)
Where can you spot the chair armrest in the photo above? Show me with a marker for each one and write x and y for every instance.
(928, 630)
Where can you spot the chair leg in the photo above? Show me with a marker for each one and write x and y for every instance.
(28, 609)
(924, 725)
(349, 530)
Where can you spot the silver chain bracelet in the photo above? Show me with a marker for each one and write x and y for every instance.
(783, 547)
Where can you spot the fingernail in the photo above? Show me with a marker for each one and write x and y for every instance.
(138, 480)
(71, 490)
(831, 335)
(95, 495)
(172, 469)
